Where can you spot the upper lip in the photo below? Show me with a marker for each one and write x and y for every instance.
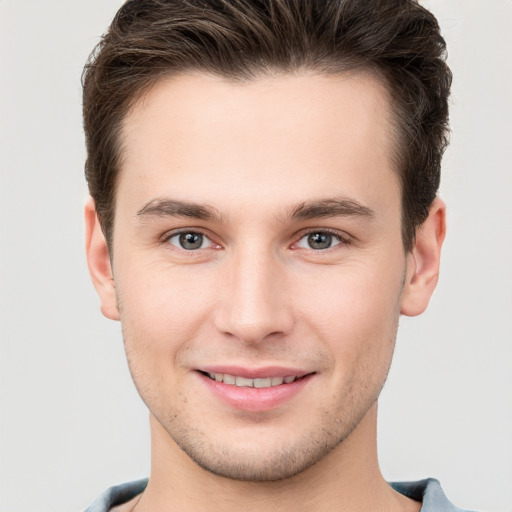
(255, 373)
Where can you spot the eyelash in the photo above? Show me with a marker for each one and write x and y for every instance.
(165, 239)
(341, 239)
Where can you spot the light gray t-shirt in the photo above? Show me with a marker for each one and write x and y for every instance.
(428, 491)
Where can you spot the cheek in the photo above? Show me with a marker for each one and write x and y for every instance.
(161, 308)
(356, 311)
(160, 314)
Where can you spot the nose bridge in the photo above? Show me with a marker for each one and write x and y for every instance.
(254, 304)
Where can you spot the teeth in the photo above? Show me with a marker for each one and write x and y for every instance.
(228, 379)
(242, 382)
(263, 382)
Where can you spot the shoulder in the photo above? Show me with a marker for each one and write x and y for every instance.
(117, 495)
(429, 492)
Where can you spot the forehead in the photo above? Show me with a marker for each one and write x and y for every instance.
(293, 136)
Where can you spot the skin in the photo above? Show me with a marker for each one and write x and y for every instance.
(265, 159)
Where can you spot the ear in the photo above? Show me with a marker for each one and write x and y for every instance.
(98, 261)
(423, 261)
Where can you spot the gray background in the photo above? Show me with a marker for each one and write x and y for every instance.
(71, 421)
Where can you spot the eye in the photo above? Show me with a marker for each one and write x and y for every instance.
(190, 240)
(319, 240)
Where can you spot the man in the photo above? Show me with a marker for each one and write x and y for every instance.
(263, 181)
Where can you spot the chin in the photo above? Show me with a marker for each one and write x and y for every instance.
(260, 467)
(260, 455)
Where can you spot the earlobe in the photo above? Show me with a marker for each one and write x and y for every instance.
(423, 261)
(98, 261)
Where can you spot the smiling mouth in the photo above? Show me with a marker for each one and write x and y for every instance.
(261, 382)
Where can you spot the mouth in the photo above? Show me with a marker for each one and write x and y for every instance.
(245, 382)
(255, 390)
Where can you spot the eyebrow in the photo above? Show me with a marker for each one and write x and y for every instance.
(331, 208)
(174, 208)
(304, 211)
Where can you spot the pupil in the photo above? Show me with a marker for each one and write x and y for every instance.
(319, 240)
(191, 240)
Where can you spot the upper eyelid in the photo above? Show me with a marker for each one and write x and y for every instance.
(178, 231)
(339, 234)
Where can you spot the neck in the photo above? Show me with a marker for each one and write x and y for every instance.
(347, 479)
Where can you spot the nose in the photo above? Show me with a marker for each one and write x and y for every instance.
(254, 305)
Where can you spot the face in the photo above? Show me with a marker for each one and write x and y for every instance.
(258, 264)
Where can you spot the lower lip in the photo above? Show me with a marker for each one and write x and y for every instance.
(255, 399)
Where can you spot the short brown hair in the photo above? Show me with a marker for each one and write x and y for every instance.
(397, 40)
